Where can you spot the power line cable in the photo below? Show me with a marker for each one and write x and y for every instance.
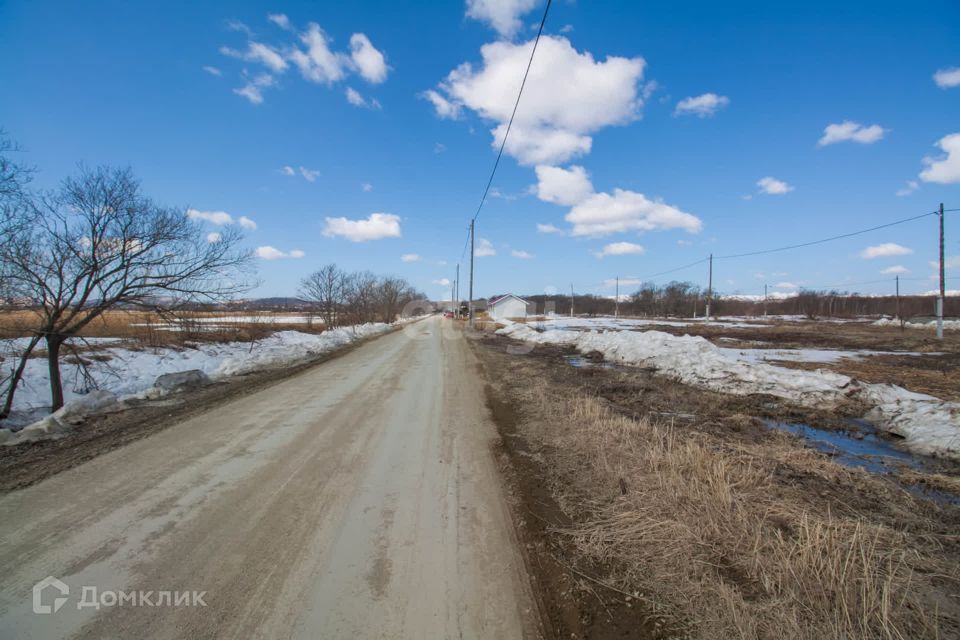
(663, 273)
(465, 243)
(503, 143)
(823, 240)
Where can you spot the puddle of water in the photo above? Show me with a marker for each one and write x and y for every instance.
(866, 450)
(578, 361)
(870, 452)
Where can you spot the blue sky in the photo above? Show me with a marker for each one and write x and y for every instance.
(644, 124)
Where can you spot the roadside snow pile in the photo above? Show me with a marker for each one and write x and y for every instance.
(929, 425)
(930, 324)
(129, 373)
(695, 361)
(819, 356)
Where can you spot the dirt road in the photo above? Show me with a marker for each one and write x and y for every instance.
(357, 500)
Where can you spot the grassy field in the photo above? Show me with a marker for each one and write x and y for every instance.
(676, 513)
(154, 329)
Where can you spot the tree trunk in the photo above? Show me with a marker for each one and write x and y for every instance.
(16, 376)
(53, 364)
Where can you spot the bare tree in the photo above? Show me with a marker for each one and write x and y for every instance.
(14, 179)
(99, 243)
(392, 294)
(327, 287)
(362, 296)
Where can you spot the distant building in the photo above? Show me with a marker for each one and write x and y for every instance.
(508, 306)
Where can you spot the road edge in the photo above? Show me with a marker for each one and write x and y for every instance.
(27, 464)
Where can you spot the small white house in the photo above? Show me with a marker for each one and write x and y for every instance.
(508, 306)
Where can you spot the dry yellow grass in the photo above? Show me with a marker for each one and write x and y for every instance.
(154, 329)
(706, 533)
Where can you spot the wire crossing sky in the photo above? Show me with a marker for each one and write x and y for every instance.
(646, 137)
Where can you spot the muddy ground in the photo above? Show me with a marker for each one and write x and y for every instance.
(585, 598)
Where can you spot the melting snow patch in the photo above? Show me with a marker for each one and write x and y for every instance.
(130, 373)
(929, 425)
(930, 324)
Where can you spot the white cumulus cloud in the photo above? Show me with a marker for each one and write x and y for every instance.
(603, 214)
(253, 90)
(947, 78)
(260, 53)
(621, 249)
(310, 175)
(885, 250)
(267, 252)
(701, 106)
(786, 285)
(946, 168)
(368, 60)
(214, 71)
(213, 237)
(376, 226)
(599, 214)
(565, 187)
(849, 131)
(569, 95)
(896, 269)
(319, 63)
(548, 228)
(484, 248)
(443, 282)
(221, 218)
(357, 100)
(281, 20)
(912, 185)
(312, 54)
(444, 108)
(410, 257)
(213, 217)
(774, 187)
(523, 255)
(502, 15)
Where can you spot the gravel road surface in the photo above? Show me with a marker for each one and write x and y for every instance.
(360, 499)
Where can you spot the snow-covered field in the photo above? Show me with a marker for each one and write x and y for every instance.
(248, 319)
(929, 425)
(822, 356)
(608, 322)
(952, 325)
(132, 372)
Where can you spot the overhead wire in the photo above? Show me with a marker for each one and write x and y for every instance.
(824, 240)
(503, 143)
(795, 246)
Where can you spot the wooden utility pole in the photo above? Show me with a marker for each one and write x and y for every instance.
(764, 301)
(940, 300)
(456, 293)
(710, 288)
(571, 299)
(470, 303)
